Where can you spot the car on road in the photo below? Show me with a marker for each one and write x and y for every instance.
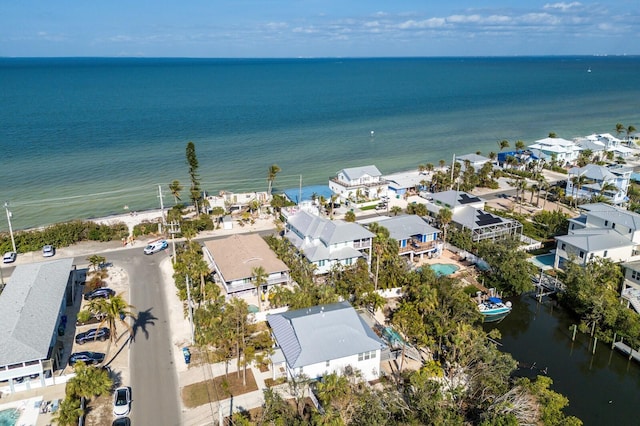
(9, 257)
(122, 401)
(101, 334)
(87, 357)
(48, 251)
(102, 292)
(122, 421)
(156, 246)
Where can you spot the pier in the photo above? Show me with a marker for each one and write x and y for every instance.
(627, 350)
(546, 285)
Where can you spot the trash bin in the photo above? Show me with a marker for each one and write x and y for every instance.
(187, 355)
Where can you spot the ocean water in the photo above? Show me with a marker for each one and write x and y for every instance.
(83, 138)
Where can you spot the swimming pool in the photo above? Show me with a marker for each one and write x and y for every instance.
(544, 261)
(9, 417)
(444, 268)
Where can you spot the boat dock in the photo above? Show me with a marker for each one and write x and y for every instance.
(627, 350)
(546, 285)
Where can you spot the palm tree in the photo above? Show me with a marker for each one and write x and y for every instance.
(444, 218)
(619, 128)
(259, 279)
(629, 130)
(68, 412)
(608, 186)
(520, 145)
(89, 381)
(503, 144)
(175, 189)
(442, 163)
(395, 210)
(493, 156)
(274, 169)
(111, 310)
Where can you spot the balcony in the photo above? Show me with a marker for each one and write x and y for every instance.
(359, 185)
(418, 247)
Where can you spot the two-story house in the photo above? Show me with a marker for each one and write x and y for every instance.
(564, 151)
(320, 340)
(234, 260)
(611, 182)
(326, 243)
(603, 231)
(359, 182)
(415, 237)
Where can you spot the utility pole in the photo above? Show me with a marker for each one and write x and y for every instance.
(9, 214)
(173, 230)
(189, 307)
(164, 222)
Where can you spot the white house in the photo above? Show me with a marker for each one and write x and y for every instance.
(326, 243)
(354, 182)
(234, 258)
(476, 161)
(601, 231)
(562, 150)
(611, 182)
(325, 339)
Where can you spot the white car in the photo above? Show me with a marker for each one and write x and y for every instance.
(48, 251)
(156, 246)
(9, 257)
(122, 401)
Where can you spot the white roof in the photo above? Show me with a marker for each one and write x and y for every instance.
(354, 173)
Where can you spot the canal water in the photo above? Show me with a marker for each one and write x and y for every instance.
(603, 389)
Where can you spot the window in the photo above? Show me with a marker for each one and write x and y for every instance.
(348, 261)
(606, 223)
(605, 253)
(581, 255)
(321, 263)
(366, 355)
(613, 226)
(327, 363)
(563, 246)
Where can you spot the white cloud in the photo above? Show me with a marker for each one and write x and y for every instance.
(277, 25)
(425, 23)
(562, 6)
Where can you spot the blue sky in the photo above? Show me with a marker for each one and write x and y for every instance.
(317, 28)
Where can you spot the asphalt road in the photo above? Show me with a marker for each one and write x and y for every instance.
(154, 382)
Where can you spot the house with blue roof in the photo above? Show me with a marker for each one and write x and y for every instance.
(602, 230)
(414, 235)
(327, 243)
(325, 339)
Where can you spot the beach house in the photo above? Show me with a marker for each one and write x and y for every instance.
(358, 183)
(562, 150)
(468, 214)
(320, 340)
(235, 258)
(602, 230)
(415, 237)
(591, 180)
(32, 317)
(631, 285)
(327, 243)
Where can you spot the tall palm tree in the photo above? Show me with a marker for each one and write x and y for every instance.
(259, 279)
(68, 412)
(629, 130)
(112, 310)
(175, 189)
(619, 128)
(444, 218)
(520, 145)
(273, 170)
(503, 144)
(608, 186)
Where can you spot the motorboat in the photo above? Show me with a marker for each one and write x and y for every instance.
(494, 309)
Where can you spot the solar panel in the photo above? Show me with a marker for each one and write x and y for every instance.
(465, 199)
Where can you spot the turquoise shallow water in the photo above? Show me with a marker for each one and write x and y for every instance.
(84, 137)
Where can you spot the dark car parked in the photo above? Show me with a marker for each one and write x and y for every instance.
(93, 334)
(103, 292)
(87, 357)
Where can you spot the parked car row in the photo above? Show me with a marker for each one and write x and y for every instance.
(11, 256)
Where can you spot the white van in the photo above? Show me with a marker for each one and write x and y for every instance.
(156, 246)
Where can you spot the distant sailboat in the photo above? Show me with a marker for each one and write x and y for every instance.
(589, 69)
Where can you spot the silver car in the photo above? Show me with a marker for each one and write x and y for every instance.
(48, 251)
(9, 257)
(122, 401)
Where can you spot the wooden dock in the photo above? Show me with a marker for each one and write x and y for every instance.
(627, 350)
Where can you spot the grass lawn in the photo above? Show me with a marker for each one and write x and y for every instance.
(216, 389)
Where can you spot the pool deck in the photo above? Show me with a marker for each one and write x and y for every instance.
(29, 411)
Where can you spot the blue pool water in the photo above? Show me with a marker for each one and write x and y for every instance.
(253, 309)
(444, 268)
(9, 417)
(544, 261)
(392, 336)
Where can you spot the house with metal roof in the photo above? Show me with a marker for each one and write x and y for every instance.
(326, 243)
(631, 284)
(359, 182)
(414, 235)
(233, 259)
(32, 305)
(468, 213)
(602, 230)
(611, 182)
(564, 151)
(325, 339)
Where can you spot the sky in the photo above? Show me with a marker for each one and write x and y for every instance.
(317, 28)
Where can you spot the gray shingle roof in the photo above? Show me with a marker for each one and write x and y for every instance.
(403, 227)
(29, 309)
(320, 333)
